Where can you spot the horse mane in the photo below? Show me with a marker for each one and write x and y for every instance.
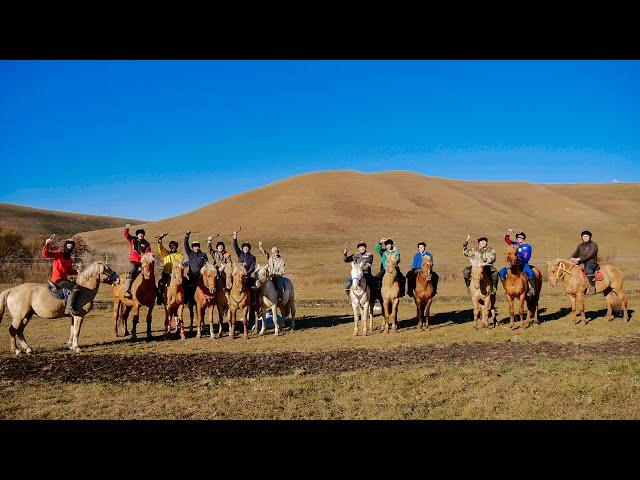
(147, 258)
(208, 267)
(88, 272)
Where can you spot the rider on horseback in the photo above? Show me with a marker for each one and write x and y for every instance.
(220, 256)
(389, 249)
(357, 257)
(523, 252)
(62, 268)
(587, 254)
(275, 269)
(484, 252)
(246, 258)
(139, 246)
(168, 257)
(415, 268)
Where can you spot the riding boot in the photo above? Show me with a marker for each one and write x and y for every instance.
(127, 287)
(592, 285)
(160, 296)
(532, 288)
(70, 308)
(494, 282)
(467, 281)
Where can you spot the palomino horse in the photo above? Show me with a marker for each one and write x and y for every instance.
(28, 299)
(390, 294)
(481, 288)
(268, 299)
(238, 299)
(205, 297)
(360, 295)
(144, 293)
(516, 286)
(224, 283)
(174, 299)
(576, 284)
(423, 292)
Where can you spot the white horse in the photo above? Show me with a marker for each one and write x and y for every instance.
(268, 299)
(360, 295)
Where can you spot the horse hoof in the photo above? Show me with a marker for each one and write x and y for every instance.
(355, 334)
(260, 333)
(18, 352)
(28, 351)
(77, 350)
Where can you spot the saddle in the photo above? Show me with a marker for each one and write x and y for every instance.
(57, 293)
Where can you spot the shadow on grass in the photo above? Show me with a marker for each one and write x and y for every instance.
(442, 319)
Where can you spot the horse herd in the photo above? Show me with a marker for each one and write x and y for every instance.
(609, 282)
(225, 288)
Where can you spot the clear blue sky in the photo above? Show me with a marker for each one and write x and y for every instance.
(152, 139)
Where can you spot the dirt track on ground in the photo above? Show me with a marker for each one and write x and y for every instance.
(115, 368)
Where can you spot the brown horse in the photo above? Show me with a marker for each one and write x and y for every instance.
(174, 299)
(224, 283)
(516, 286)
(144, 292)
(481, 288)
(238, 299)
(576, 284)
(205, 297)
(423, 292)
(28, 299)
(390, 294)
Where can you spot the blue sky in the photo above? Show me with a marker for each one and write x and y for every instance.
(153, 139)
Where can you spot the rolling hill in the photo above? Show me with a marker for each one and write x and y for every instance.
(312, 217)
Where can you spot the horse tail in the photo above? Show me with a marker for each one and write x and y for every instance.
(3, 301)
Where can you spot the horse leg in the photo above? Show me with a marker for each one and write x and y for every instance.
(199, 318)
(274, 313)
(292, 310)
(624, 302)
(581, 304)
(476, 310)
(427, 312)
(220, 322)
(149, 315)
(511, 311)
(77, 323)
(385, 316)
(245, 324)
(356, 310)
(116, 316)
(134, 321)
(609, 315)
(124, 316)
(394, 315)
(572, 318)
(522, 299)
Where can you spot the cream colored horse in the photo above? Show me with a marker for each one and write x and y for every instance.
(28, 299)
(268, 299)
(481, 288)
(390, 294)
(174, 298)
(576, 284)
(360, 295)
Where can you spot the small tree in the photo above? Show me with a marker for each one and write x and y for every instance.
(12, 246)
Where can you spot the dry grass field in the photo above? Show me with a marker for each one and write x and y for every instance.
(556, 370)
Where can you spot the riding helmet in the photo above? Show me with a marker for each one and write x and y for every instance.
(521, 234)
(195, 243)
(586, 232)
(246, 244)
(140, 230)
(423, 244)
(220, 243)
(388, 241)
(361, 244)
(483, 237)
(173, 242)
(69, 240)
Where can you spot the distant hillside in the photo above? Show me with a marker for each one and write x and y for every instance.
(38, 221)
(312, 218)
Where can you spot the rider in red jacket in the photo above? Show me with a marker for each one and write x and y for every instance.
(139, 246)
(62, 268)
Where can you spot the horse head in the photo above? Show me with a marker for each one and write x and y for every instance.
(225, 271)
(179, 271)
(477, 270)
(239, 275)
(100, 271)
(208, 274)
(392, 261)
(261, 275)
(356, 273)
(427, 266)
(148, 262)
(511, 257)
(555, 271)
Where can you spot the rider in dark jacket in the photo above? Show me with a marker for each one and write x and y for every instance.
(587, 254)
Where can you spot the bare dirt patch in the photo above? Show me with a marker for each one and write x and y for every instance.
(116, 368)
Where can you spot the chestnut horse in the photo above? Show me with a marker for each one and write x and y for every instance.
(390, 294)
(481, 288)
(205, 297)
(144, 292)
(174, 299)
(423, 292)
(576, 283)
(516, 286)
(224, 283)
(239, 299)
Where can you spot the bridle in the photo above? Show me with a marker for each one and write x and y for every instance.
(562, 270)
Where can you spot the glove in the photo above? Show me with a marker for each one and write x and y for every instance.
(188, 232)
(209, 238)
(464, 244)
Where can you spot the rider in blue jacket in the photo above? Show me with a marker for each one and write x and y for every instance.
(523, 252)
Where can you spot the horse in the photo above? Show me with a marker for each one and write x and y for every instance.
(174, 299)
(144, 293)
(224, 283)
(205, 297)
(360, 295)
(481, 293)
(268, 299)
(576, 284)
(423, 292)
(238, 299)
(23, 301)
(390, 294)
(516, 286)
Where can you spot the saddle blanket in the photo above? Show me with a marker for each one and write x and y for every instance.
(55, 292)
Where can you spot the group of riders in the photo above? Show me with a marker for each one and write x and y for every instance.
(585, 254)
(196, 259)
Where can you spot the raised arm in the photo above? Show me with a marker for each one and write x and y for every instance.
(163, 252)
(127, 235)
(236, 247)
(262, 250)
